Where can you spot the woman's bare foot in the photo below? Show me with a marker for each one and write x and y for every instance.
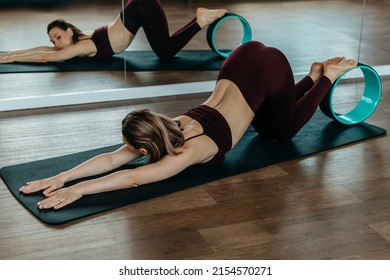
(334, 70)
(205, 17)
(317, 68)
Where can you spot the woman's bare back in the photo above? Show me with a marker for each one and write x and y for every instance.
(229, 101)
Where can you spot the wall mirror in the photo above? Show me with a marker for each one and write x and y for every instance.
(304, 30)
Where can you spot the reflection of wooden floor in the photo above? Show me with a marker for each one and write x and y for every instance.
(332, 205)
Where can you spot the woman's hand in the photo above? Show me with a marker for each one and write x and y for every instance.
(6, 58)
(48, 185)
(60, 198)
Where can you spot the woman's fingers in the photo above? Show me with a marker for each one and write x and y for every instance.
(50, 188)
(34, 186)
(50, 202)
(49, 185)
(59, 199)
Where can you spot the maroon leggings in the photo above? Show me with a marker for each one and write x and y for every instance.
(150, 15)
(265, 79)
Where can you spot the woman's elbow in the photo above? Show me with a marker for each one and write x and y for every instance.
(48, 57)
(132, 181)
(42, 58)
(126, 178)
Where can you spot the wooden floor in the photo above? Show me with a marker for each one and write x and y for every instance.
(331, 205)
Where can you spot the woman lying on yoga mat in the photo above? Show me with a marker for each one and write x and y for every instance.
(255, 86)
(106, 41)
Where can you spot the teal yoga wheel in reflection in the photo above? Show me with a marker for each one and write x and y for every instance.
(367, 104)
(212, 30)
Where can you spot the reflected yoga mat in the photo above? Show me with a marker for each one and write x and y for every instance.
(250, 153)
(135, 61)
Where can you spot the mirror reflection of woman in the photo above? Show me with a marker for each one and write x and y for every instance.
(104, 42)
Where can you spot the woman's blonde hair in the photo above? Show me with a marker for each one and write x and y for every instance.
(156, 133)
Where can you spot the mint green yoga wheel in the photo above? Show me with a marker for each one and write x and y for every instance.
(212, 30)
(366, 105)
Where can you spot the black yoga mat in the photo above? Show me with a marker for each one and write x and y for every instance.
(251, 153)
(135, 61)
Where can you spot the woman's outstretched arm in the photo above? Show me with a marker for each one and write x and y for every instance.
(167, 167)
(49, 54)
(94, 166)
(30, 50)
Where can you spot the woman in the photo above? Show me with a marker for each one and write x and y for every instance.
(106, 41)
(255, 86)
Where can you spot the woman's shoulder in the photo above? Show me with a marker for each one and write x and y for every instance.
(87, 35)
(81, 48)
(184, 120)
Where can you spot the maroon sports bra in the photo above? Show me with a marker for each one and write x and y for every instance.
(102, 43)
(214, 126)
